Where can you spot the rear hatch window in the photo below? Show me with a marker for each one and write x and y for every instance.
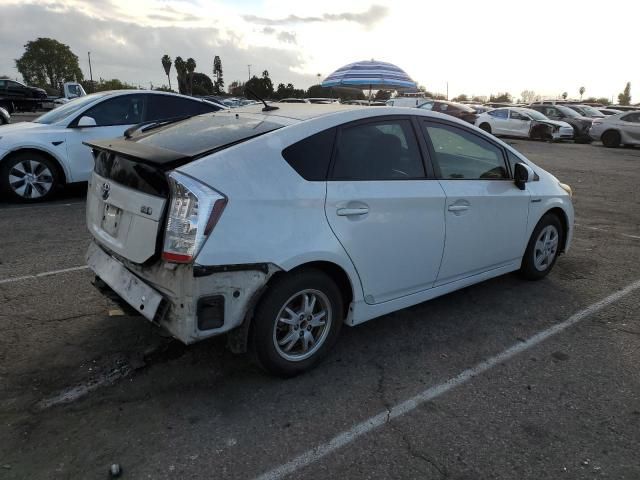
(204, 133)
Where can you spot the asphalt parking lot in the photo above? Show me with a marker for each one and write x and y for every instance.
(80, 389)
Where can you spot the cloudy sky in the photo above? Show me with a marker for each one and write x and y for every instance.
(478, 47)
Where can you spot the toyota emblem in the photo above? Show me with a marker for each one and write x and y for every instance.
(106, 190)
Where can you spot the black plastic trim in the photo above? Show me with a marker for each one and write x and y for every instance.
(205, 270)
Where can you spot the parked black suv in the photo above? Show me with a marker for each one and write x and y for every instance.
(580, 124)
(16, 96)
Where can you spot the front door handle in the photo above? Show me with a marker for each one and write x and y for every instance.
(458, 208)
(347, 212)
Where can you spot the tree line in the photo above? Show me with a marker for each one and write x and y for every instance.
(47, 63)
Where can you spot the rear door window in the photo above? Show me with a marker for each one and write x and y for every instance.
(382, 150)
(311, 157)
(121, 110)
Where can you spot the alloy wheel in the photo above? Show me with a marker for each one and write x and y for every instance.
(546, 248)
(30, 179)
(302, 325)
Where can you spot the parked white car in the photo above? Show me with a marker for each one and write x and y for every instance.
(37, 157)
(523, 122)
(615, 130)
(406, 101)
(278, 227)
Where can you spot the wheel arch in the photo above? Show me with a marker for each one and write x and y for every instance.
(331, 269)
(40, 151)
(611, 130)
(238, 338)
(564, 220)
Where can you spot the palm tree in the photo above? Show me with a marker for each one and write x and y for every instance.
(191, 67)
(166, 63)
(581, 92)
(181, 70)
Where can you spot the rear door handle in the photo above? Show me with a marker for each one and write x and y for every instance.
(347, 212)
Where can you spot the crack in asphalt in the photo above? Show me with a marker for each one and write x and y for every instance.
(382, 396)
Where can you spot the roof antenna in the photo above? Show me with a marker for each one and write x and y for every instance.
(267, 108)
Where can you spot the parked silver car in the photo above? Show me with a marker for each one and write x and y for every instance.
(616, 130)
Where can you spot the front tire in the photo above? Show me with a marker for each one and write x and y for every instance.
(611, 139)
(29, 177)
(543, 248)
(296, 322)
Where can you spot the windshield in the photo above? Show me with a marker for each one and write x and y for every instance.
(591, 111)
(567, 111)
(535, 114)
(68, 109)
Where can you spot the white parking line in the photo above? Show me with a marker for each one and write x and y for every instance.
(43, 274)
(345, 438)
(628, 235)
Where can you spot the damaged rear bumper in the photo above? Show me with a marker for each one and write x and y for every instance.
(191, 303)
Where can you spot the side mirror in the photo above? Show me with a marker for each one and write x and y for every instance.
(86, 122)
(522, 174)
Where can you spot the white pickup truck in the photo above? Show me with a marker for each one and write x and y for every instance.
(68, 92)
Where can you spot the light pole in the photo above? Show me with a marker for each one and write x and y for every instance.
(249, 68)
(90, 71)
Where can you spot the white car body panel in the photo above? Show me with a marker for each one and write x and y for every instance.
(399, 212)
(393, 256)
(479, 239)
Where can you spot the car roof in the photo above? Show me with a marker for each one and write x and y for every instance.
(297, 111)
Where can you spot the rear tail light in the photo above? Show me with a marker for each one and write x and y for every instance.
(193, 213)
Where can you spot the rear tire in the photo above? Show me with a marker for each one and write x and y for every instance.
(29, 177)
(543, 248)
(296, 308)
(486, 127)
(611, 139)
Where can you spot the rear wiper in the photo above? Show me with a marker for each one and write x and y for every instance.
(153, 124)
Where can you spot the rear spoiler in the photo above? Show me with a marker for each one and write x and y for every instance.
(154, 156)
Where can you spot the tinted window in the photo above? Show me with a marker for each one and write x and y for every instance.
(121, 110)
(310, 157)
(518, 116)
(499, 113)
(385, 150)
(206, 133)
(167, 106)
(427, 106)
(460, 154)
(632, 117)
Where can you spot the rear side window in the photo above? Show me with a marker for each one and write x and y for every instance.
(311, 157)
(384, 150)
(161, 107)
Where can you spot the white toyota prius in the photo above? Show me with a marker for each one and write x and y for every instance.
(276, 226)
